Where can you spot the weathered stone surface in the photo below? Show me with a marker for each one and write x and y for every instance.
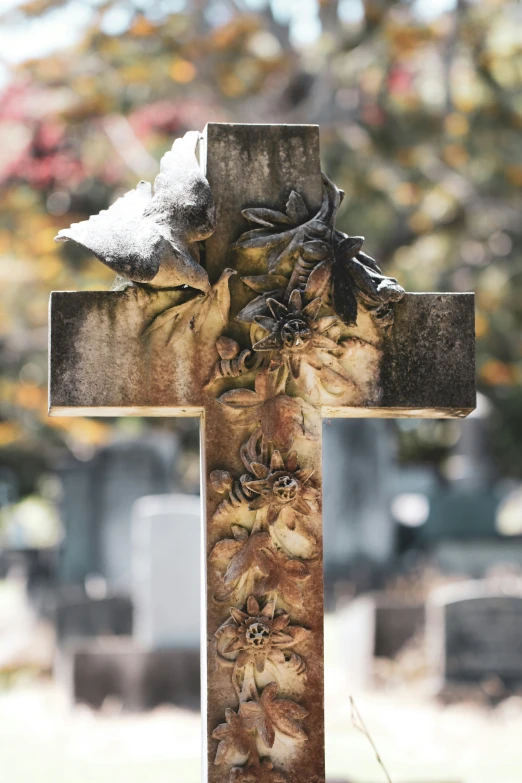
(307, 331)
(474, 632)
(102, 365)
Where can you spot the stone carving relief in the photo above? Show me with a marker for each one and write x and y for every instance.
(310, 336)
(303, 339)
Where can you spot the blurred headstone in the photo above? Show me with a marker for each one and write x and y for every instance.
(81, 616)
(397, 621)
(98, 496)
(166, 554)
(474, 631)
(356, 636)
(120, 670)
(358, 470)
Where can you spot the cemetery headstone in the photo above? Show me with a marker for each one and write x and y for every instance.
(474, 632)
(166, 553)
(97, 501)
(80, 616)
(281, 320)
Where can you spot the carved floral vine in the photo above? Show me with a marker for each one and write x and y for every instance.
(316, 284)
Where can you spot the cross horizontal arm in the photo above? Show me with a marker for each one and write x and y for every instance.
(106, 358)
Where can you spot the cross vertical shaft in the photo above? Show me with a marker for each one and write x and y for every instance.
(260, 165)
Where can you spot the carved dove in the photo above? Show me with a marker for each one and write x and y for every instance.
(150, 235)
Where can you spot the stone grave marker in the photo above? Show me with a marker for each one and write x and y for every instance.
(250, 310)
(97, 501)
(166, 540)
(474, 632)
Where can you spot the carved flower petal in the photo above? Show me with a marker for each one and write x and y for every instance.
(259, 470)
(276, 462)
(291, 461)
(254, 718)
(252, 606)
(266, 322)
(296, 208)
(295, 302)
(268, 610)
(269, 694)
(257, 306)
(260, 486)
(260, 662)
(281, 639)
(280, 622)
(238, 615)
(304, 474)
(313, 308)
(242, 659)
(265, 217)
(324, 323)
(277, 309)
(268, 343)
(318, 281)
(310, 493)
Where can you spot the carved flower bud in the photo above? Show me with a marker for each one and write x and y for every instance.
(221, 481)
(227, 348)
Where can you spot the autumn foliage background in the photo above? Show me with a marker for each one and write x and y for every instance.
(420, 112)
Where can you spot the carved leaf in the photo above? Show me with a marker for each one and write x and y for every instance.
(316, 250)
(258, 306)
(263, 284)
(271, 714)
(240, 398)
(221, 292)
(296, 208)
(318, 280)
(265, 217)
(233, 739)
(284, 576)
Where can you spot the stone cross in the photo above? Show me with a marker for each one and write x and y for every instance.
(291, 322)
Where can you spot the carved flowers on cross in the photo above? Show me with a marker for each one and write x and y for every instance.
(270, 715)
(258, 635)
(251, 565)
(282, 487)
(296, 334)
(234, 740)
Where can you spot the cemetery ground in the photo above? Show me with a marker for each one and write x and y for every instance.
(420, 738)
